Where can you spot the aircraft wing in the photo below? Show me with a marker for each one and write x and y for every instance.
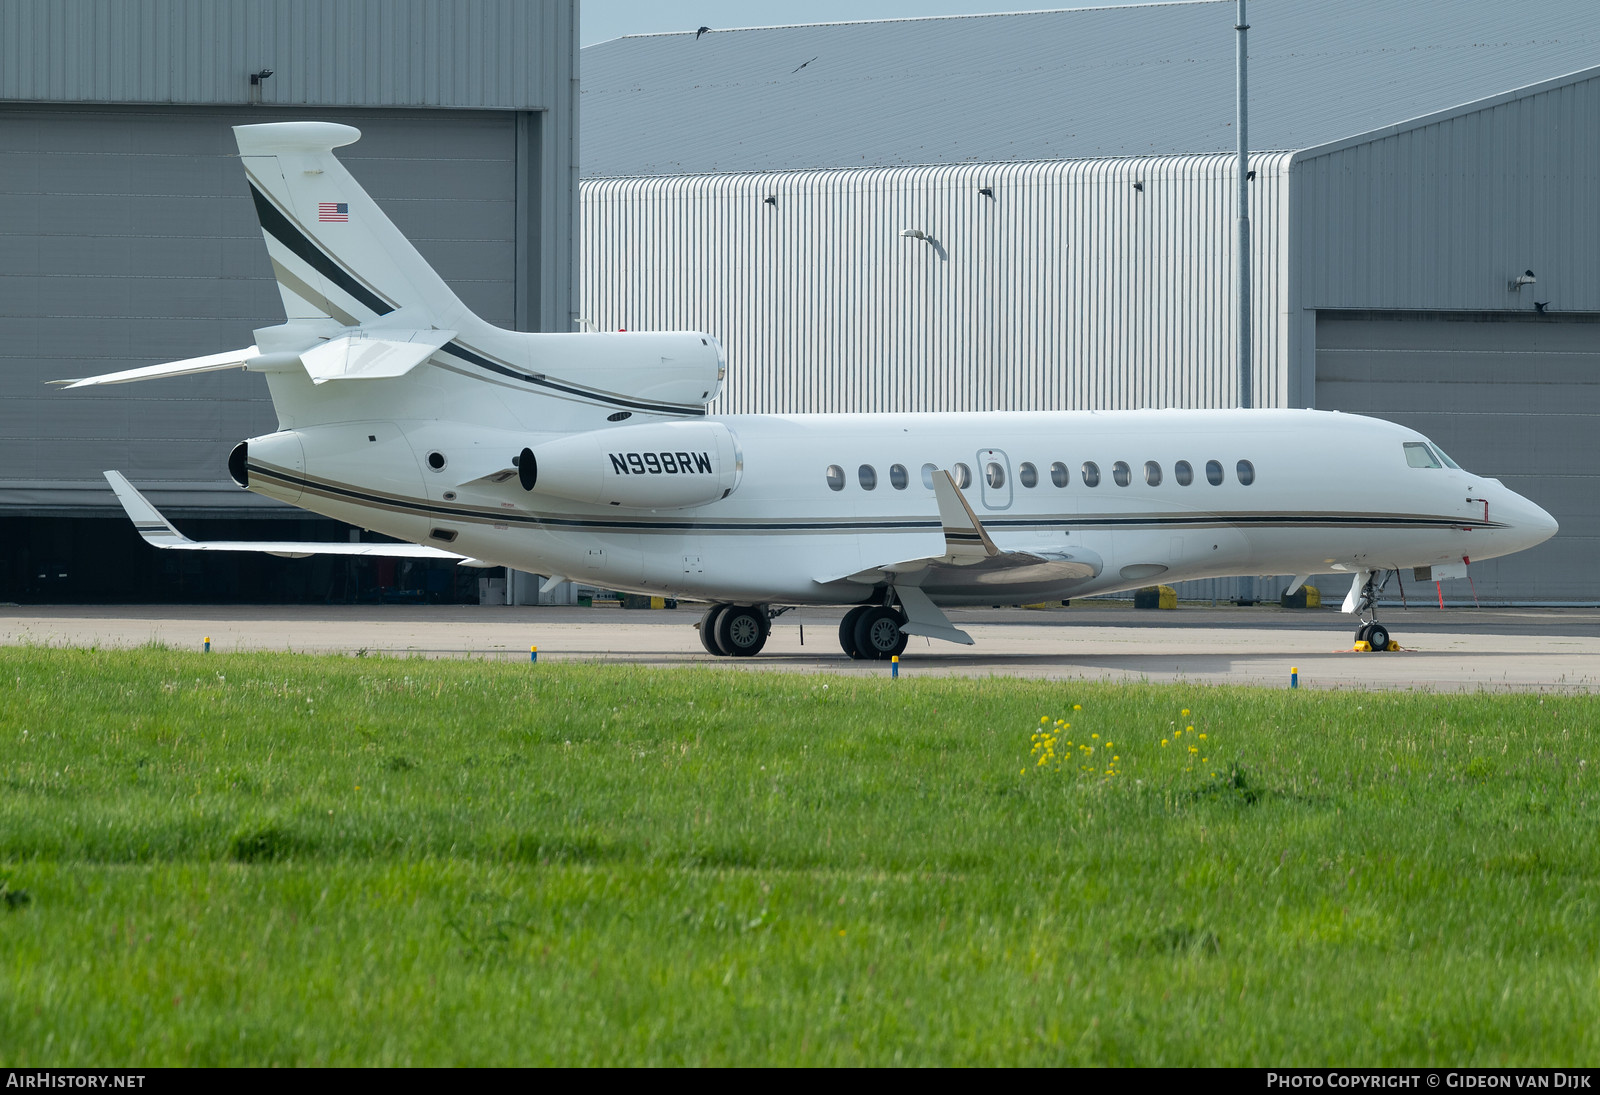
(157, 531)
(972, 559)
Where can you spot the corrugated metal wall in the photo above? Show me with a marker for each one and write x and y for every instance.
(1442, 214)
(436, 53)
(1067, 288)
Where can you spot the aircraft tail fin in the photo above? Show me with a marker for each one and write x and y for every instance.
(335, 253)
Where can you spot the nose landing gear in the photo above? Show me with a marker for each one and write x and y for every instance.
(1371, 631)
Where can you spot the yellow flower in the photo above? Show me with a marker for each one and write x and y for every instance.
(1185, 712)
(1043, 719)
(1077, 707)
(1189, 728)
(1163, 741)
(1202, 737)
(1094, 735)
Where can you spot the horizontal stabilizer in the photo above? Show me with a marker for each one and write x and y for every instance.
(157, 531)
(364, 356)
(211, 363)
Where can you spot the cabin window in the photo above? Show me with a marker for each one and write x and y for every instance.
(1028, 475)
(1246, 472)
(1419, 455)
(898, 477)
(867, 475)
(1121, 474)
(927, 475)
(835, 477)
(994, 475)
(1091, 474)
(1183, 473)
(1214, 473)
(1152, 473)
(1060, 476)
(962, 475)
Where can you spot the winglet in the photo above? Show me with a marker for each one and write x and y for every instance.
(155, 529)
(964, 537)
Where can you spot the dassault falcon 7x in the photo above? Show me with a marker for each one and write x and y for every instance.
(592, 457)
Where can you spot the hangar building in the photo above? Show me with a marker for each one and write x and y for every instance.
(1072, 178)
(130, 239)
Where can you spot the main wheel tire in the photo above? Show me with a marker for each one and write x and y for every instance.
(708, 631)
(742, 630)
(1378, 636)
(847, 631)
(1362, 632)
(878, 634)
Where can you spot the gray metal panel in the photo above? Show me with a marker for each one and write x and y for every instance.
(1443, 214)
(127, 237)
(1512, 398)
(489, 54)
(1144, 80)
(1067, 288)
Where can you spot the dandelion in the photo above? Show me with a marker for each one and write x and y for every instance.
(1079, 706)
(1043, 719)
(1202, 737)
(1189, 728)
(1163, 741)
(1185, 712)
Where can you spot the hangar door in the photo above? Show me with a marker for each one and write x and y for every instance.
(130, 239)
(1512, 397)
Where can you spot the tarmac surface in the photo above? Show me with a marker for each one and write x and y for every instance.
(1455, 649)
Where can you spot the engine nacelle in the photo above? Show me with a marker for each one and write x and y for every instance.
(668, 465)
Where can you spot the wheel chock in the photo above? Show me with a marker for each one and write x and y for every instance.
(1362, 646)
(1393, 646)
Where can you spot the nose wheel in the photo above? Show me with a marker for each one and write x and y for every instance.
(1371, 631)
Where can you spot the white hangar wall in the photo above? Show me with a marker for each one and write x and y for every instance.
(1091, 283)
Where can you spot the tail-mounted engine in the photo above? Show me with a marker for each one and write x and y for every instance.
(668, 465)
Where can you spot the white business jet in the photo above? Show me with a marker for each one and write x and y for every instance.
(591, 457)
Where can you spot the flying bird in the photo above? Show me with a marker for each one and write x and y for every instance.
(699, 32)
(803, 65)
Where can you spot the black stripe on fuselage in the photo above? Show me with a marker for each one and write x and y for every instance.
(282, 229)
(398, 504)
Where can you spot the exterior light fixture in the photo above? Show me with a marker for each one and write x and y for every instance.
(1139, 186)
(1524, 278)
(257, 77)
(986, 191)
(771, 199)
(914, 234)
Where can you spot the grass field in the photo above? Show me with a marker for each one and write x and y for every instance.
(273, 859)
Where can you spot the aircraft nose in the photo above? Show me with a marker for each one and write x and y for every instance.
(1532, 522)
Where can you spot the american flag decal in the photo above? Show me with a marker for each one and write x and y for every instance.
(333, 211)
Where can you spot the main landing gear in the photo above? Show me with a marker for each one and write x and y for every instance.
(867, 632)
(872, 633)
(738, 631)
(1371, 631)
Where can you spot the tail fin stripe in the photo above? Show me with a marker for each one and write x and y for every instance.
(280, 228)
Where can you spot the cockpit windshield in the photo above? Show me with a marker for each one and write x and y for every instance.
(1449, 463)
(1419, 455)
